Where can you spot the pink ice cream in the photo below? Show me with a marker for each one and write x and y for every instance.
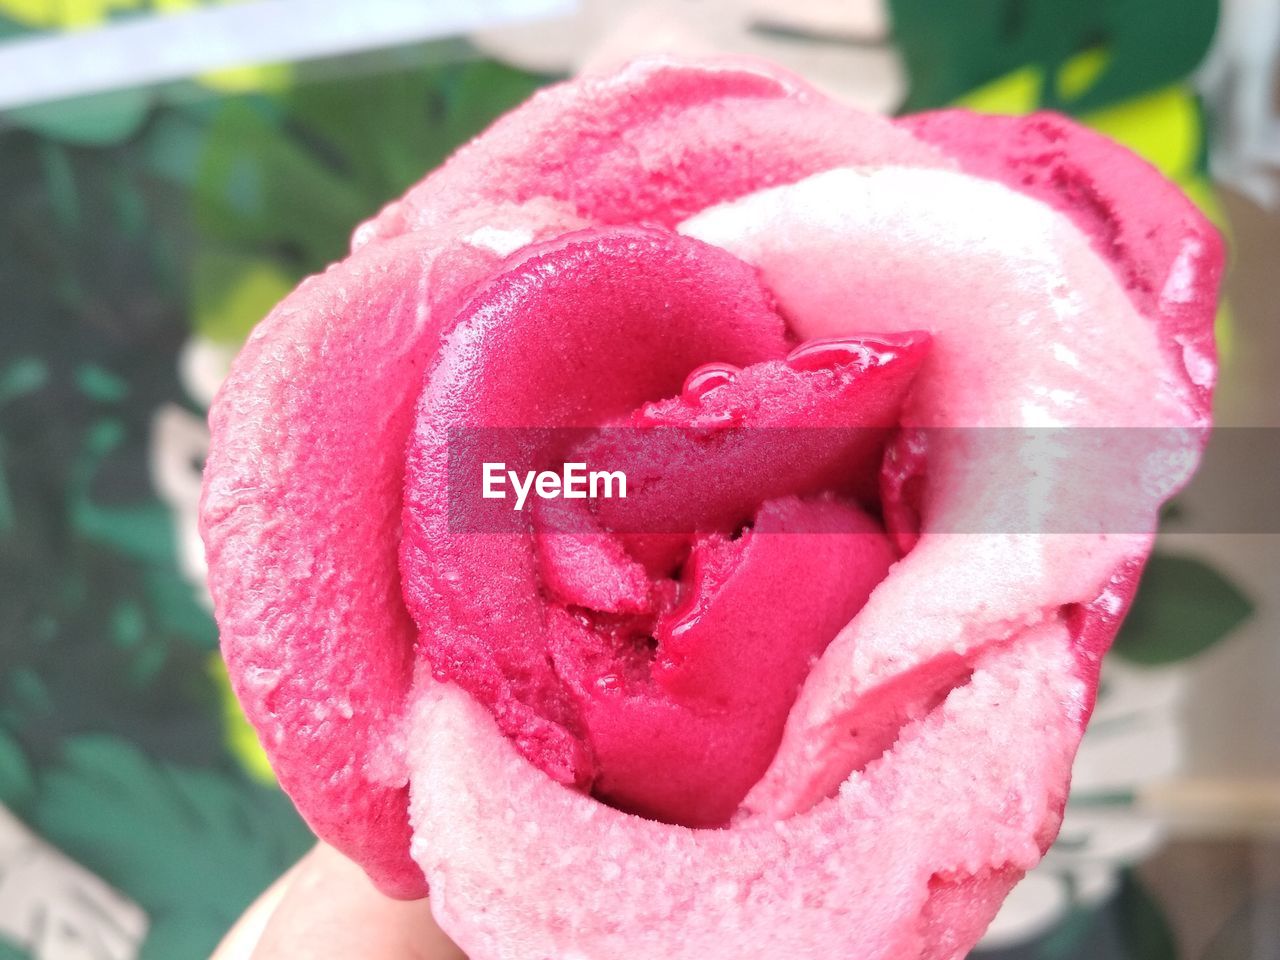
(776, 703)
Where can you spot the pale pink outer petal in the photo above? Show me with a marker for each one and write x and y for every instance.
(523, 869)
(656, 142)
(300, 517)
(1167, 254)
(1032, 328)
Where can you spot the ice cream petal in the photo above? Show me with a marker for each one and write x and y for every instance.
(654, 143)
(300, 518)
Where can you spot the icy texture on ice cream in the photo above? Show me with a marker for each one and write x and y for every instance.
(880, 744)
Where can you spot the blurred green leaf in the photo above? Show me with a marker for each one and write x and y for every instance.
(22, 376)
(346, 120)
(129, 203)
(60, 183)
(192, 847)
(288, 176)
(953, 46)
(26, 688)
(143, 531)
(99, 120)
(127, 624)
(258, 185)
(172, 600)
(100, 384)
(232, 291)
(16, 783)
(1183, 607)
(9, 27)
(1143, 928)
(433, 110)
(7, 516)
(171, 147)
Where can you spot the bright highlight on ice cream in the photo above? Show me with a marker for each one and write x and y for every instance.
(769, 703)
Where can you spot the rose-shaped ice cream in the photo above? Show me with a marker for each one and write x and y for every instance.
(785, 731)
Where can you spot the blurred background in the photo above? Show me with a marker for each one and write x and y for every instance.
(169, 169)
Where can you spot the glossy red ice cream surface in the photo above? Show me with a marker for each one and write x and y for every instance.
(537, 280)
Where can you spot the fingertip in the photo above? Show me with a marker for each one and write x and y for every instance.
(329, 910)
(241, 940)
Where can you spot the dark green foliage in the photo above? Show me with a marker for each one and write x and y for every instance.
(1183, 607)
(953, 46)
